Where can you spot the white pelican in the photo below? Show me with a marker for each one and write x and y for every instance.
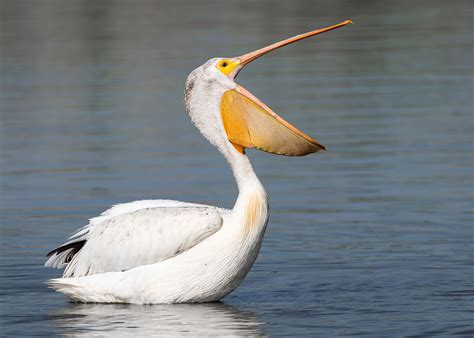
(163, 251)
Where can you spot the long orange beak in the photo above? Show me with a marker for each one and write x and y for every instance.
(249, 123)
(249, 57)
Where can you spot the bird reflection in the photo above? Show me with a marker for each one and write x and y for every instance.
(216, 319)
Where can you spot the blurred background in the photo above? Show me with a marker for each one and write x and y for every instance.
(374, 236)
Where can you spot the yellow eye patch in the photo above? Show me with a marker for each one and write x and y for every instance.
(227, 66)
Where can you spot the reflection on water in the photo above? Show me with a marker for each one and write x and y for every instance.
(373, 236)
(197, 320)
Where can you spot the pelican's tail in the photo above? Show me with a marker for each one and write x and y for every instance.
(84, 290)
(70, 287)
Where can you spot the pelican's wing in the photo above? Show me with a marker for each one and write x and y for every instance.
(134, 234)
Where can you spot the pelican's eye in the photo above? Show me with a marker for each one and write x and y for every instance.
(227, 66)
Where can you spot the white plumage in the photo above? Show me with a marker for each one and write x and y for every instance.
(210, 268)
(168, 251)
(162, 251)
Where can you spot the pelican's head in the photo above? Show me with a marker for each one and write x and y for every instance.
(233, 119)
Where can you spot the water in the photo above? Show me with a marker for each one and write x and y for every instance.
(373, 237)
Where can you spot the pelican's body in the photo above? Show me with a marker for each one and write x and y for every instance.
(161, 251)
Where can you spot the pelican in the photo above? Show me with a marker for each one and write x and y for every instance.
(164, 251)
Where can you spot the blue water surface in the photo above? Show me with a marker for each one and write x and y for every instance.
(373, 237)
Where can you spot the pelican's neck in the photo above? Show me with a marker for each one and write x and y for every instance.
(244, 174)
(245, 177)
(202, 98)
(251, 207)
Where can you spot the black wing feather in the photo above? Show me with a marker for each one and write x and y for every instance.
(75, 246)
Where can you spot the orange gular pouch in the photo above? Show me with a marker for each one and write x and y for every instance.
(249, 123)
